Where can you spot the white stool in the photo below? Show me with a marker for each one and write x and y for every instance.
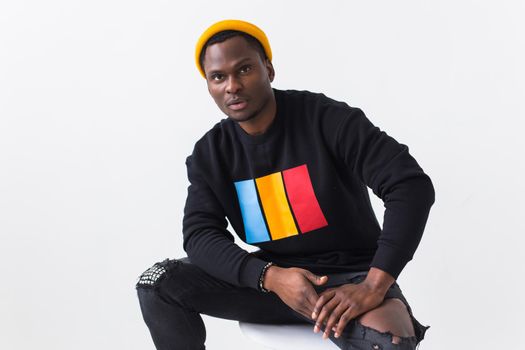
(286, 336)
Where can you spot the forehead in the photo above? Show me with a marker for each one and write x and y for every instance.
(228, 53)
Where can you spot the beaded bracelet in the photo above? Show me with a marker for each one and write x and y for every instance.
(261, 278)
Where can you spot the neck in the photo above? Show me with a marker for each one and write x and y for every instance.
(262, 121)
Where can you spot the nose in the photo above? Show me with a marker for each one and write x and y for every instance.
(233, 85)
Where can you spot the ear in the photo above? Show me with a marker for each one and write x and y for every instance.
(269, 68)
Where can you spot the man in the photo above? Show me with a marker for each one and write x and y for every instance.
(289, 171)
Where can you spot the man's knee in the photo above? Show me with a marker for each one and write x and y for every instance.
(391, 319)
(154, 277)
(170, 280)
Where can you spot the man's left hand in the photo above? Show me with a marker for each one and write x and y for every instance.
(337, 306)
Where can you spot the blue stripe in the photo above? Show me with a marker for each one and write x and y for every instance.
(254, 225)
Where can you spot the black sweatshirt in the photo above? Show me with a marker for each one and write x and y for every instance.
(299, 193)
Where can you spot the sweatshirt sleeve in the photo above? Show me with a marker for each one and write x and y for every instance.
(387, 167)
(206, 240)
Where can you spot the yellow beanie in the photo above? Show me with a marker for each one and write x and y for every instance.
(231, 24)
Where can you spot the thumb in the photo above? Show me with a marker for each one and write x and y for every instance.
(318, 280)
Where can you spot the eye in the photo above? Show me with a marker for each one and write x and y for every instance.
(245, 69)
(216, 76)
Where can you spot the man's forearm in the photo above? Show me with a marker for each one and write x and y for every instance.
(406, 211)
(213, 252)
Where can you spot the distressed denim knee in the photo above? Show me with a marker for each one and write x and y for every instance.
(151, 278)
(161, 292)
(171, 280)
(148, 285)
(360, 337)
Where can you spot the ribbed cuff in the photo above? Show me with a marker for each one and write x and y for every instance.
(390, 260)
(251, 271)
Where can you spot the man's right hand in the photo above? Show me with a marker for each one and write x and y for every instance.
(295, 287)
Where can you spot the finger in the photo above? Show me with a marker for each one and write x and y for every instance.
(326, 291)
(323, 299)
(303, 311)
(343, 321)
(354, 310)
(313, 278)
(324, 313)
(311, 300)
(334, 317)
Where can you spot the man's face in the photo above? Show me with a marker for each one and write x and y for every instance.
(238, 78)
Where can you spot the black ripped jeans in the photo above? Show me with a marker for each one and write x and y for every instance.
(173, 293)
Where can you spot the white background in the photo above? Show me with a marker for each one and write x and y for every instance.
(100, 103)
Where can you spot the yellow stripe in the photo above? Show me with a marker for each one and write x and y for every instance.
(275, 205)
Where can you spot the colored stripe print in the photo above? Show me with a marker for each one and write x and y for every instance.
(279, 205)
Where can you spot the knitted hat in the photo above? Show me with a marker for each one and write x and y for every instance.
(231, 24)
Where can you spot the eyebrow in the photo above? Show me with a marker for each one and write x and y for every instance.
(240, 62)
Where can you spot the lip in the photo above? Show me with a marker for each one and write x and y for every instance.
(237, 104)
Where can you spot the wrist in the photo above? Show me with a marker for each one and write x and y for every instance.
(269, 278)
(378, 280)
(263, 276)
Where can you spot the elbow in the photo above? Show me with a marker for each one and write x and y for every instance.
(430, 191)
(423, 191)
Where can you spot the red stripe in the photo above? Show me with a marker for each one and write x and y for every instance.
(302, 199)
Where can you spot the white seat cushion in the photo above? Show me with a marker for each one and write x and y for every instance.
(287, 336)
